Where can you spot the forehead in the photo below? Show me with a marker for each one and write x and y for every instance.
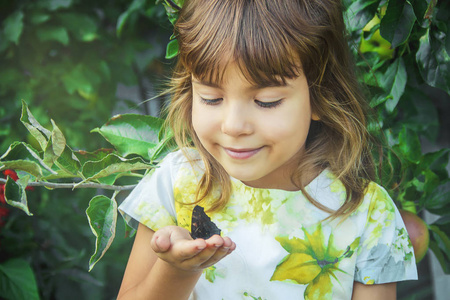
(243, 32)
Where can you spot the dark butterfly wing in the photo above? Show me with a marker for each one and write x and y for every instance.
(201, 225)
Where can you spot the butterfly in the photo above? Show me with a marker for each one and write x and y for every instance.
(201, 225)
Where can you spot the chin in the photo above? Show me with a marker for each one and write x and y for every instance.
(241, 176)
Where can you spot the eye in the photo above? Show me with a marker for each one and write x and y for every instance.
(211, 101)
(272, 104)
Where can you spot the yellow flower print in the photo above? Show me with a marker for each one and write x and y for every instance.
(381, 214)
(154, 216)
(185, 187)
(185, 191)
(312, 261)
(261, 205)
(368, 281)
(257, 204)
(337, 187)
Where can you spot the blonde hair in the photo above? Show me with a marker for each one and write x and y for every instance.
(267, 38)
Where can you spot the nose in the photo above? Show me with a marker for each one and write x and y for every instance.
(236, 120)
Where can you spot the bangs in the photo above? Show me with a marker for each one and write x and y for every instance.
(253, 38)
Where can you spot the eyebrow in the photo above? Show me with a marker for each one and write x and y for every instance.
(253, 87)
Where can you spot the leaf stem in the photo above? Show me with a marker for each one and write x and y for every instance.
(74, 185)
(173, 5)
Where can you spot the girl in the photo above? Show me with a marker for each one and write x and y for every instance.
(270, 195)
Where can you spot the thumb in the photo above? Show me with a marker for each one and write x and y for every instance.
(160, 241)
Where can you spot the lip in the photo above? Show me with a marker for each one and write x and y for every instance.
(243, 153)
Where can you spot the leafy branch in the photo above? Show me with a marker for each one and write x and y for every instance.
(52, 185)
(140, 142)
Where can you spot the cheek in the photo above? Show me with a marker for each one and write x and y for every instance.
(290, 123)
(196, 120)
(201, 122)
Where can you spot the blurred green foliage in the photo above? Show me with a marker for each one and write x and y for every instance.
(66, 57)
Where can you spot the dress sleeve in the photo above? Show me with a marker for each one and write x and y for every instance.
(152, 202)
(385, 253)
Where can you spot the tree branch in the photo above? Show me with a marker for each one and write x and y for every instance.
(76, 185)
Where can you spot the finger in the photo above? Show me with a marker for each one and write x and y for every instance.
(218, 255)
(227, 242)
(224, 243)
(164, 238)
(215, 241)
(187, 249)
(160, 241)
(215, 250)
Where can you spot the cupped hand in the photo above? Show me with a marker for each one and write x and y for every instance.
(175, 246)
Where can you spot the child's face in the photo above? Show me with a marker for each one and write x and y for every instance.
(257, 134)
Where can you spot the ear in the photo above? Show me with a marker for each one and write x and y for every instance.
(315, 117)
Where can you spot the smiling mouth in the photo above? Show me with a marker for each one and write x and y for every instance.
(241, 153)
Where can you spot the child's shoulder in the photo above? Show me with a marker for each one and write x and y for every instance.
(376, 193)
(377, 202)
(332, 192)
(181, 163)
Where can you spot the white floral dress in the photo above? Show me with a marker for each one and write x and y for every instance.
(284, 248)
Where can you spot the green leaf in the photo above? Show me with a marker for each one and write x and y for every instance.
(172, 49)
(409, 145)
(68, 162)
(397, 23)
(55, 146)
(172, 9)
(164, 147)
(58, 34)
(438, 201)
(82, 26)
(81, 79)
(40, 133)
(132, 134)
(394, 82)
(123, 18)
(38, 18)
(55, 4)
(418, 112)
(420, 7)
(102, 216)
(17, 280)
(85, 156)
(443, 261)
(434, 62)
(431, 181)
(15, 194)
(13, 27)
(129, 231)
(444, 224)
(112, 165)
(360, 13)
(178, 3)
(439, 236)
(30, 167)
(436, 162)
(21, 156)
